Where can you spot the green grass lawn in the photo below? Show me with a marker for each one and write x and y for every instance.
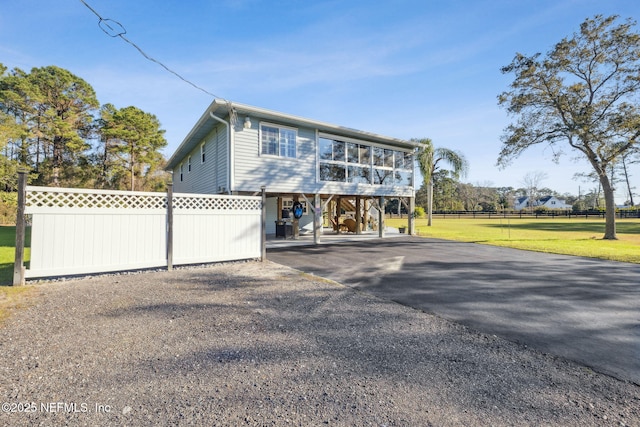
(8, 252)
(569, 236)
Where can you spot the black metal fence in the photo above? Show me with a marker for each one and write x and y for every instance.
(622, 213)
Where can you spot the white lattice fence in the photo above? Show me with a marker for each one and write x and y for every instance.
(215, 228)
(78, 231)
(46, 199)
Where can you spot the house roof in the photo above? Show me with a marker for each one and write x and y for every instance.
(221, 109)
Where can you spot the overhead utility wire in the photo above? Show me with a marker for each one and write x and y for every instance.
(106, 26)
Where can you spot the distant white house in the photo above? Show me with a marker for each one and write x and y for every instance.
(549, 202)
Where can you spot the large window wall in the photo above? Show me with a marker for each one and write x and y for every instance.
(353, 162)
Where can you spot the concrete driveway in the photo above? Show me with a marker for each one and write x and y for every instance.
(581, 309)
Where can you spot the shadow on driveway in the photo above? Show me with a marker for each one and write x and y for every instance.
(586, 310)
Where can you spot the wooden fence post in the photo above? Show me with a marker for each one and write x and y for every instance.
(18, 266)
(381, 217)
(263, 232)
(170, 226)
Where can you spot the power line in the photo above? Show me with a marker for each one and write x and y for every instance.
(115, 29)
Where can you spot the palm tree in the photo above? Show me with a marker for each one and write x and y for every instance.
(429, 159)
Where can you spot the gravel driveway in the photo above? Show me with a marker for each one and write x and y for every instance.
(262, 344)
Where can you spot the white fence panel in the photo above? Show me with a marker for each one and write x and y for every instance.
(78, 231)
(216, 228)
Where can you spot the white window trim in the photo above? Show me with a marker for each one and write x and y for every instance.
(275, 125)
(202, 152)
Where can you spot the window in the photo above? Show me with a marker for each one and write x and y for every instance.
(353, 155)
(332, 160)
(365, 154)
(344, 161)
(288, 204)
(202, 152)
(277, 141)
(363, 164)
(359, 174)
(181, 172)
(329, 172)
(403, 168)
(359, 159)
(189, 164)
(382, 166)
(332, 150)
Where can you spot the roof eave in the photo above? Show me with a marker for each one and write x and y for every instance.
(215, 108)
(187, 144)
(322, 126)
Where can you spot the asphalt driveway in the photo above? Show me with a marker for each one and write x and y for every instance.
(585, 310)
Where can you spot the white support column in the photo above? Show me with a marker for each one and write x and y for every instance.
(296, 222)
(412, 214)
(317, 208)
(263, 224)
(411, 208)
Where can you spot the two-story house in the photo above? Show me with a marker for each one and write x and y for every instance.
(329, 169)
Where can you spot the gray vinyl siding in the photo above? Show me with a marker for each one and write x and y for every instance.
(208, 177)
(279, 174)
(288, 175)
(221, 151)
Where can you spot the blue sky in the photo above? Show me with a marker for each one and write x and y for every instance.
(404, 68)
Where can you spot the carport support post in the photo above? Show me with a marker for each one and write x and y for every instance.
(358, 215)
(263, 232)
(18, 267)
(412, 213)
(381, 216)
(317, 218)
(338, 212)
(296, 222)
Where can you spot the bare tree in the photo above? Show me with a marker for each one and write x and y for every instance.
(531, 182)
(625, 161)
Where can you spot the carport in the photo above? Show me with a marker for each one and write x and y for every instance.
(330, 237)
(329, 215)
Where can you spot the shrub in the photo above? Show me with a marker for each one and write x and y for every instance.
(8, 207)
